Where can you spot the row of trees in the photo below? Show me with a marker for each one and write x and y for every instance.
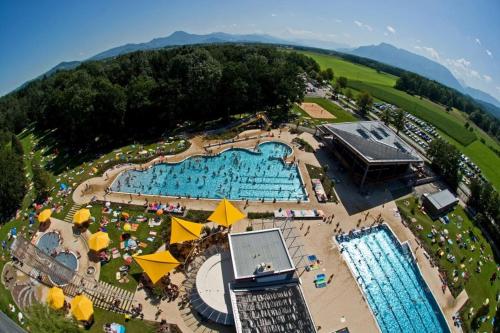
(436, 92)
(485, 200)
(143, 94)
(12, 180)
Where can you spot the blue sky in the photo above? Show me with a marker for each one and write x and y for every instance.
(462, 35)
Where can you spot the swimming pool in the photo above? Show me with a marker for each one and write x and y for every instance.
(233, 174)
(48, 242)
(69, 260)
(391, 281)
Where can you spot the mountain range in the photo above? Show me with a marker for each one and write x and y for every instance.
(383, 52)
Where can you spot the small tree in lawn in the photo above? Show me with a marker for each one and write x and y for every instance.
(386, 116)
(348, 94)
(364, 102)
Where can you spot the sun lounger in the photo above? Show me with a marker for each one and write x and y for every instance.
(321, 285)
(312, 258)
(320, 276)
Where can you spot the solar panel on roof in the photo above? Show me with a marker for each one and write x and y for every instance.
(362, 133)
(383, 131)
(400, 146)
(376, 134)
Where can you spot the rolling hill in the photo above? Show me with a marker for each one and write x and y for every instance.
(428, 68)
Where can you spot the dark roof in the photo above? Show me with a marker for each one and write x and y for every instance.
(442, 199)
(279, 308)
(251, 249)
(7, 325)
(373, 141)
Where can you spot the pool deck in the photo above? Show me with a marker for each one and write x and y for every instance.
(341, 303)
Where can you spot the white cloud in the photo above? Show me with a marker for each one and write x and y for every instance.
(274, 15)
(478, 41)
(462, 68)
(487, 78)
(391, 29)
(489, 53)
(431, 52)
(363, 25)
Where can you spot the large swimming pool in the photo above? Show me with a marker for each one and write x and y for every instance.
(233, 174)
(391, 281)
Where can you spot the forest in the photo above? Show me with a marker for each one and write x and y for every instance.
(144, 94)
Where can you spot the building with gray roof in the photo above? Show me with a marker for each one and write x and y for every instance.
(259, 253)
(439, 203)
(370, 150)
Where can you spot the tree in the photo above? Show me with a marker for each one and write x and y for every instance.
(41, 181)
(17, 146)
(342, 81)
(42, 319)
(12, 183)
(399, 120)
(475, 188)
(364, 103)
(445, 160)
(327, 74)
(348, 94)
(385, 116)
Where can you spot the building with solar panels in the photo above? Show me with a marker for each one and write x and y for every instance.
(369, 150)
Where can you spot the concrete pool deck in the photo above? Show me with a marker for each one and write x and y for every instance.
(341, 303)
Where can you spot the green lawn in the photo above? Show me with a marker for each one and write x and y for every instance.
(450, 124)
(422, 108)
(352, 71)
(478, 286)
(108, 270)
(102, 317)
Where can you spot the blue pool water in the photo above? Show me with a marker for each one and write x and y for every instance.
(233, 174)
(69, 260)
(392, 283)
(48, 242)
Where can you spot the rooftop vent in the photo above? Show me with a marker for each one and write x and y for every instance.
(264, 268)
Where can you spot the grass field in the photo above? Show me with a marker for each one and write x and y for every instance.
(450, 124)
(467, 260)
(422, 108)
(352, 71)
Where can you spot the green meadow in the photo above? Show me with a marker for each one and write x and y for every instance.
(450, 124)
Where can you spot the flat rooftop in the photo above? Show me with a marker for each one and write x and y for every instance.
(251, 249)
(442, 199)
(373, 140)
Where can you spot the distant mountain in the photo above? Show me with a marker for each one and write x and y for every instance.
(176, 38)
(482, 96)
(409, 61)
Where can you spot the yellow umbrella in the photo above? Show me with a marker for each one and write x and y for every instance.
(44, 215)
(55, 298)
(126, 215)
(226, 214)
(127, 227)
(98, 241)
(82, 308)
(183, 231)
(81, 216)
(156, 265)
